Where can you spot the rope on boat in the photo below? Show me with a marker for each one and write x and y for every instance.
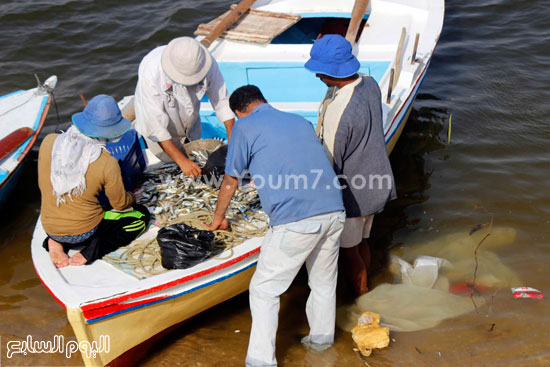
(142, 257)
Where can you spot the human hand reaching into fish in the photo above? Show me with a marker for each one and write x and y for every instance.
(227, 189)
(189, 168)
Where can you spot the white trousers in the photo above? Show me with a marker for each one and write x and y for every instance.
(315, 242)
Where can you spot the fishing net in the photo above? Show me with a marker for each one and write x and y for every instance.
(458, 249)
(406, 307)
(420, 300)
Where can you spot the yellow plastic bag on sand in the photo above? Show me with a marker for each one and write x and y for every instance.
(409, 307)
(369, 335)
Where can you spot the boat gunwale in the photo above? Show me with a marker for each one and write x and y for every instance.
(178, 281)
(71, 298)
(119, 308)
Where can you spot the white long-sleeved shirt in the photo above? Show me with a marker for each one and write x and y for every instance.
(167, 110)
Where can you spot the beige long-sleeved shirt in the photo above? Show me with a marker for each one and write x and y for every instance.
(83, 213)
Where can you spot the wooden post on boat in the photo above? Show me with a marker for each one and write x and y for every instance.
(390, 86)
(357, 14)
(398, 57)
(413, 58)
(234, 14)
(83, 99)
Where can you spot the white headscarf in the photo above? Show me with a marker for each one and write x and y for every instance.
(72, 153)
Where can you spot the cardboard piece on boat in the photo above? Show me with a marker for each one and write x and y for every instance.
(256, 26)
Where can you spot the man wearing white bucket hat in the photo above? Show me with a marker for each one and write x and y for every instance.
(172, 81)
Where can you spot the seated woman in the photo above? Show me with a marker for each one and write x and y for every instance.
(72, 168)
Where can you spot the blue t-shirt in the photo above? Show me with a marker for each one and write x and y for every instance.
(287, 162)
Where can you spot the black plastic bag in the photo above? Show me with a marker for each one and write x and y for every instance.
(182, 246)
(214, 169)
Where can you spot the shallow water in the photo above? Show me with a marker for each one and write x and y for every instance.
(490, 71)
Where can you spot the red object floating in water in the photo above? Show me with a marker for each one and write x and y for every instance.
(527, 292)
(468, 287)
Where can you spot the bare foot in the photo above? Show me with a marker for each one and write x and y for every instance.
(77, 260)
(355, 269)
(57, 254)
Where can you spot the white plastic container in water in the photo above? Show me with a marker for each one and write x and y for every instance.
(423, 273)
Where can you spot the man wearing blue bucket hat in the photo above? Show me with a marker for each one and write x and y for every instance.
(350, 128)
(72, 168)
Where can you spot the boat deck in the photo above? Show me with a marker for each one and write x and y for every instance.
(278, 68)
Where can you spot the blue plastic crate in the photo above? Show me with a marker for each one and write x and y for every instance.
(129, 154)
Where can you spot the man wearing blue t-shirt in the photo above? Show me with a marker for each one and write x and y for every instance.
(299, 191)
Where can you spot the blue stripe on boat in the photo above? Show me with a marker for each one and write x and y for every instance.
(11, 94)
(41, 111)
(329, 15)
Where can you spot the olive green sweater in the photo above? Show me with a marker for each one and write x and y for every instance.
(82, 213)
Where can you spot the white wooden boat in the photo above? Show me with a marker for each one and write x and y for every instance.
(22, 115)
(102, 300)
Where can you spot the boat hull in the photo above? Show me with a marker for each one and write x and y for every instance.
(134, 313)
(7, 187)
(130, 329)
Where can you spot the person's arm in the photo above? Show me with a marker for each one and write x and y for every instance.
(219, 97)
(237, 161)
(187, 166)
(118, 197)
(341, 148)
(151, 118)
(227, 190)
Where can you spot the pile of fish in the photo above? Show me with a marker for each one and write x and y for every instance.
(169, 194)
